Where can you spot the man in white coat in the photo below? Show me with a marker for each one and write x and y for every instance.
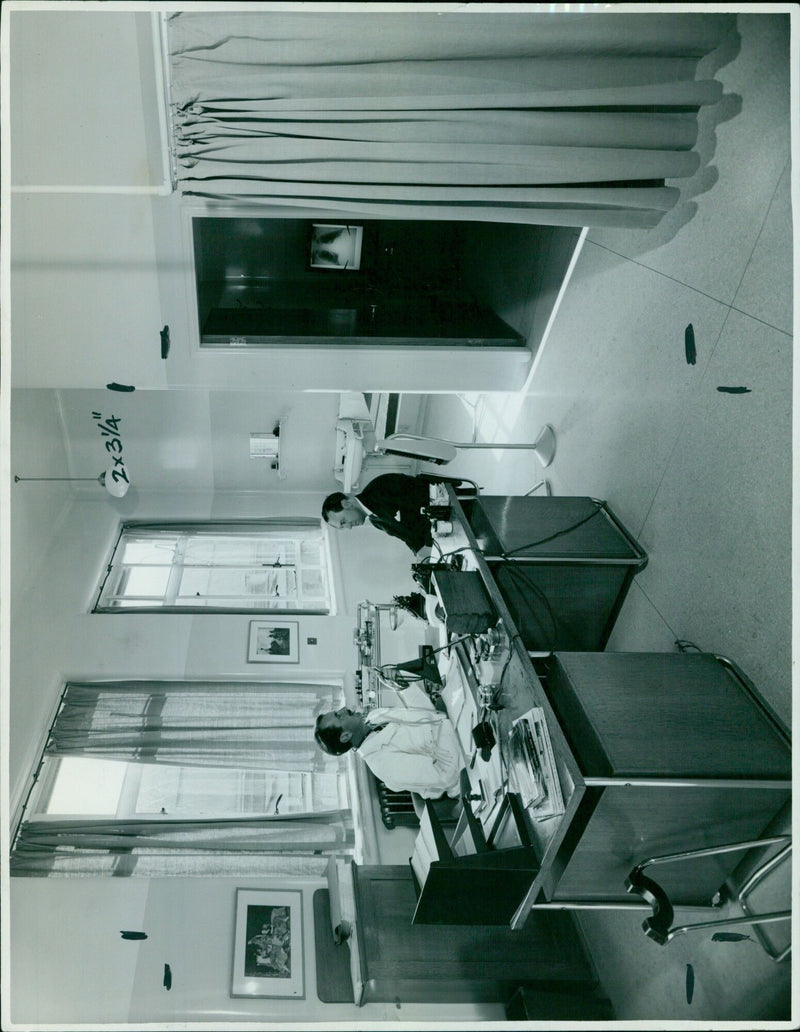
(411, 747)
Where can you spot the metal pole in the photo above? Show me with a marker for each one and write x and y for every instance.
(98, 479)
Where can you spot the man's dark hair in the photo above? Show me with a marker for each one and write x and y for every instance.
(327, 738)
(333, 503)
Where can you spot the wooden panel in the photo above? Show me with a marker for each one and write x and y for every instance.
(538, 1005)
(334, 981)
(562, 605)
(563, 527)
(487, 892)
(629, 825)
(671, 714)
(446, 962)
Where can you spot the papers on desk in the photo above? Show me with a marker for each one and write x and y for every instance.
(532, 769)
(425, 850)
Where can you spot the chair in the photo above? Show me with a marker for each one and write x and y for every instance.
(436, 450)
(659, 926)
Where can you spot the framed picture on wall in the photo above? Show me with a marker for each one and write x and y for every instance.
(274, 641)
(336, 246)
(268, 944)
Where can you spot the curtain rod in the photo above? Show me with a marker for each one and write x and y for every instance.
(38, 769)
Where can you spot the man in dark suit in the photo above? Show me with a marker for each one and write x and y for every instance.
(391, 502)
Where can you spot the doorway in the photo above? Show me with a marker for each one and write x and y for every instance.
(259, 285)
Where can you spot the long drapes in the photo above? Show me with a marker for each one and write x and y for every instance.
(255, 846)
(244, 725)
(540, 118)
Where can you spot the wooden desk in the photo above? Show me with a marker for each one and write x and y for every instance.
(655, 754)
(457, 963)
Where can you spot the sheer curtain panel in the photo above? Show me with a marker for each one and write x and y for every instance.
(244, 726)
(561, 119)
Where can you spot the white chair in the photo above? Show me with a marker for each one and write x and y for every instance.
(440, 452)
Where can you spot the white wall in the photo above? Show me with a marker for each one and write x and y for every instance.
(200, 440)
(67, 127)
(70, 965)
(85, 306)
(68, 962)
(37, 449)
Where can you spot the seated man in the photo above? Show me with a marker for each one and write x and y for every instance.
(392, 502)
(410, 748)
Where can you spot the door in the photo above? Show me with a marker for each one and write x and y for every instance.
(257, 287)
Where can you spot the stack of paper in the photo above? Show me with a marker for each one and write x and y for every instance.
(532, 770)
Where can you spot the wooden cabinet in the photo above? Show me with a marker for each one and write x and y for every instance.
(453, 963)
(677, 752)
(562, 565)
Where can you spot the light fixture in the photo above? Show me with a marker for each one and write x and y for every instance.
(116, 488)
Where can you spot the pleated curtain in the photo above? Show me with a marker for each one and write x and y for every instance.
(216, 725)
(223, 724)
(564, 119)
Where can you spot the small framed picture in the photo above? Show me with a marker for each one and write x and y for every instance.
(336, 246)
(274, 641)
(268, 944)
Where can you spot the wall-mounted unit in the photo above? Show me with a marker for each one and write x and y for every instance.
(267, 447)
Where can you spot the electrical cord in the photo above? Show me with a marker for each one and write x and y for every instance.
(518, 579)
(559, 533)
(410, 678)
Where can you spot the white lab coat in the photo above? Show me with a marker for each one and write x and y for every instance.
(417, 751)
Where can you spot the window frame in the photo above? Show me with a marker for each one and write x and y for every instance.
(270, 524)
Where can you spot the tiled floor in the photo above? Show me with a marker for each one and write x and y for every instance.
(701, 477)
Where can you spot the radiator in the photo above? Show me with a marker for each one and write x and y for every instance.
(397, 808)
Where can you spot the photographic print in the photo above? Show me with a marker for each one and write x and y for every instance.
(336, 247)
(577, 270)
(274, 641)
(268, 944)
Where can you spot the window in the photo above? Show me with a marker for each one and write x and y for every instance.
(72, 786)
(265, 566)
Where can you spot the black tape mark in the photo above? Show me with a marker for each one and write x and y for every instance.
(167, 977)
(730, 937)
(689, 983)
(124, 387)
(734, 390)
(689, 345)
(133, 935)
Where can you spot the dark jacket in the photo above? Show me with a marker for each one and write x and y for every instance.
(394, 493)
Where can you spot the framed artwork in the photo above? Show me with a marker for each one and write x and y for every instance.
(274, 641)
(336, 246)
(268, 944)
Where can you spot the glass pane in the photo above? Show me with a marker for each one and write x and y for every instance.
(244, 584)
(174, 791)
(313, 584)
(311, 552)
(147, 580)
(160, 549)
(87, 786)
